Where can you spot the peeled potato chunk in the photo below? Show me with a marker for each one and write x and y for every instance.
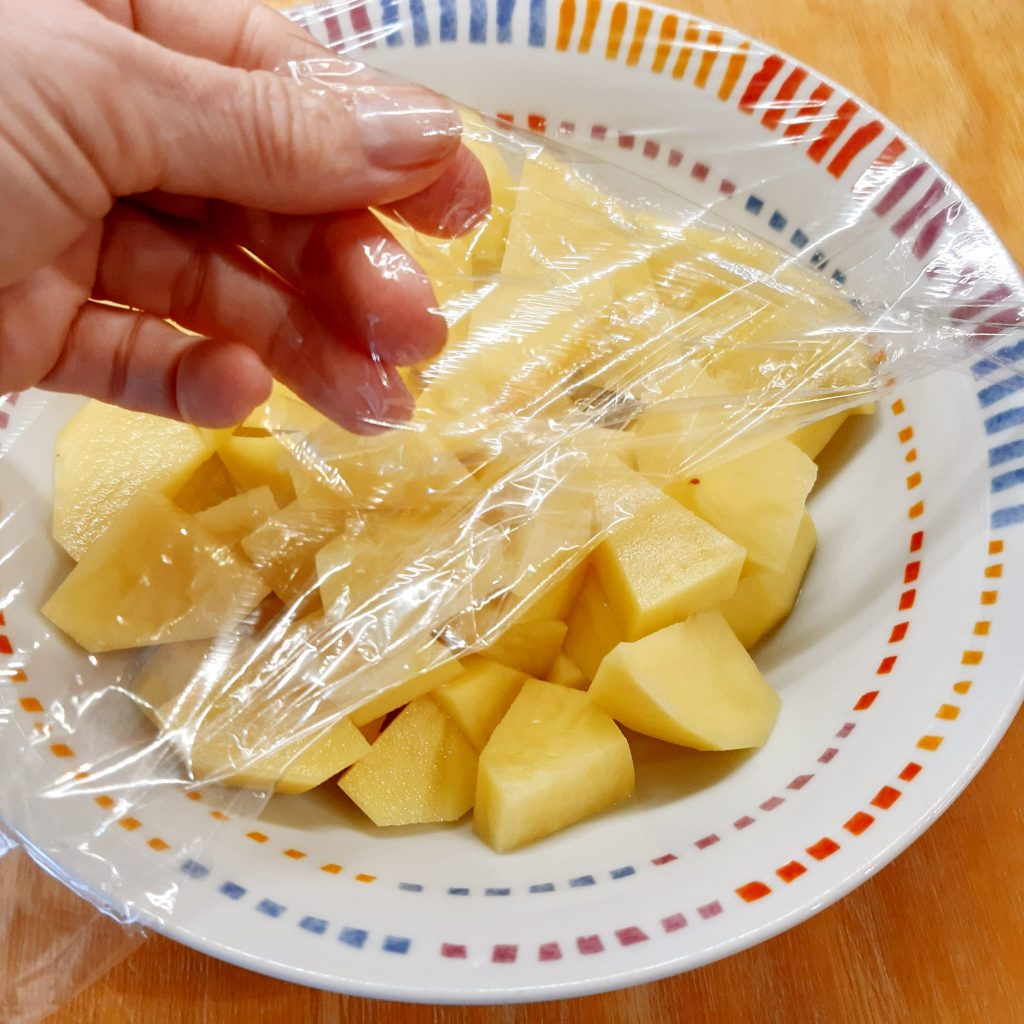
(554, 759)
(479, 697)
(179, 679)
(662, 563)
(593, 629)
(812, 438)
(234, 518)
(283, 414)
(555, 600)
(153, 577)
(209, 485)
(764, 598)
(178, 683)
(243, 752)
(695, 422)
(566, 672)
(757, 499)
(692, 683)
(106, 456)
(530, 647)
(420, 769)
(417, 681)
(409, 467)
(259, 461)
(283, 547)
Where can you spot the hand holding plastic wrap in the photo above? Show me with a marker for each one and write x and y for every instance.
(252, 601)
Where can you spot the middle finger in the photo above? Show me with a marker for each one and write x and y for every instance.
(178, 272)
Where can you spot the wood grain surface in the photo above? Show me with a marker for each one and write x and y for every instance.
(938, 936)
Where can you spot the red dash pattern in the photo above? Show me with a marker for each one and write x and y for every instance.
(763, 77)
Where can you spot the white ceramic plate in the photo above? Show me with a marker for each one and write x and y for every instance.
(899, 671)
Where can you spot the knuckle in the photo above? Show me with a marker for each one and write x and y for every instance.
(278, 124)
(189, 287)
(121, 358)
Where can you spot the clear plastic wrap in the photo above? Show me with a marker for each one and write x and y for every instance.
(251, 604)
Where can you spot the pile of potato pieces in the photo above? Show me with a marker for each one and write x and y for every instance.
(189, 541)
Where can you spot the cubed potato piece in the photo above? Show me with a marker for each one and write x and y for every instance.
(416, 680)
(209, 485)
(237, 517)
(630, 358)
(764, 598)
(420, 769)
(700, 284)
(283, 414)
(522, 347)
(692, 683)
(106, 456)
(284, 547)
(672, 436)
(358, 561)
(781, 349)
(257, 461)
(533, 594)
(566, 672)
(491, 453)
(453, 390)
(409, 467)
(385, 554)
(757, 499)
(759, 301)
(768, 313)
(485, 241)
(592, 628)
(155, 576)
(369, 552)
(241, 717)
(554, 759)
(256, 752)
(293, 660)
(478, 699)
(525, 340)
(731, 258)
(615, 442)
(180, 679)
(563, 224)
(530, 647)
(812, 438)
(548, 536)
(553, 601)
(661, 562)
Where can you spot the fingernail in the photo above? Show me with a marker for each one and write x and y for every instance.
(406, 128)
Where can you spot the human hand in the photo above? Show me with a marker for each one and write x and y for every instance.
(144, 143)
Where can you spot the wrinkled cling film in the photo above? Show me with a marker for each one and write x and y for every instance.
(605, 337)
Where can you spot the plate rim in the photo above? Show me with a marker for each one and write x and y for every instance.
(670, 966)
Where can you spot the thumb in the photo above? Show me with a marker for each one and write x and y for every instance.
(329, 137)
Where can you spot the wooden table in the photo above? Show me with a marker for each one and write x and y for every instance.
(939, 935)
